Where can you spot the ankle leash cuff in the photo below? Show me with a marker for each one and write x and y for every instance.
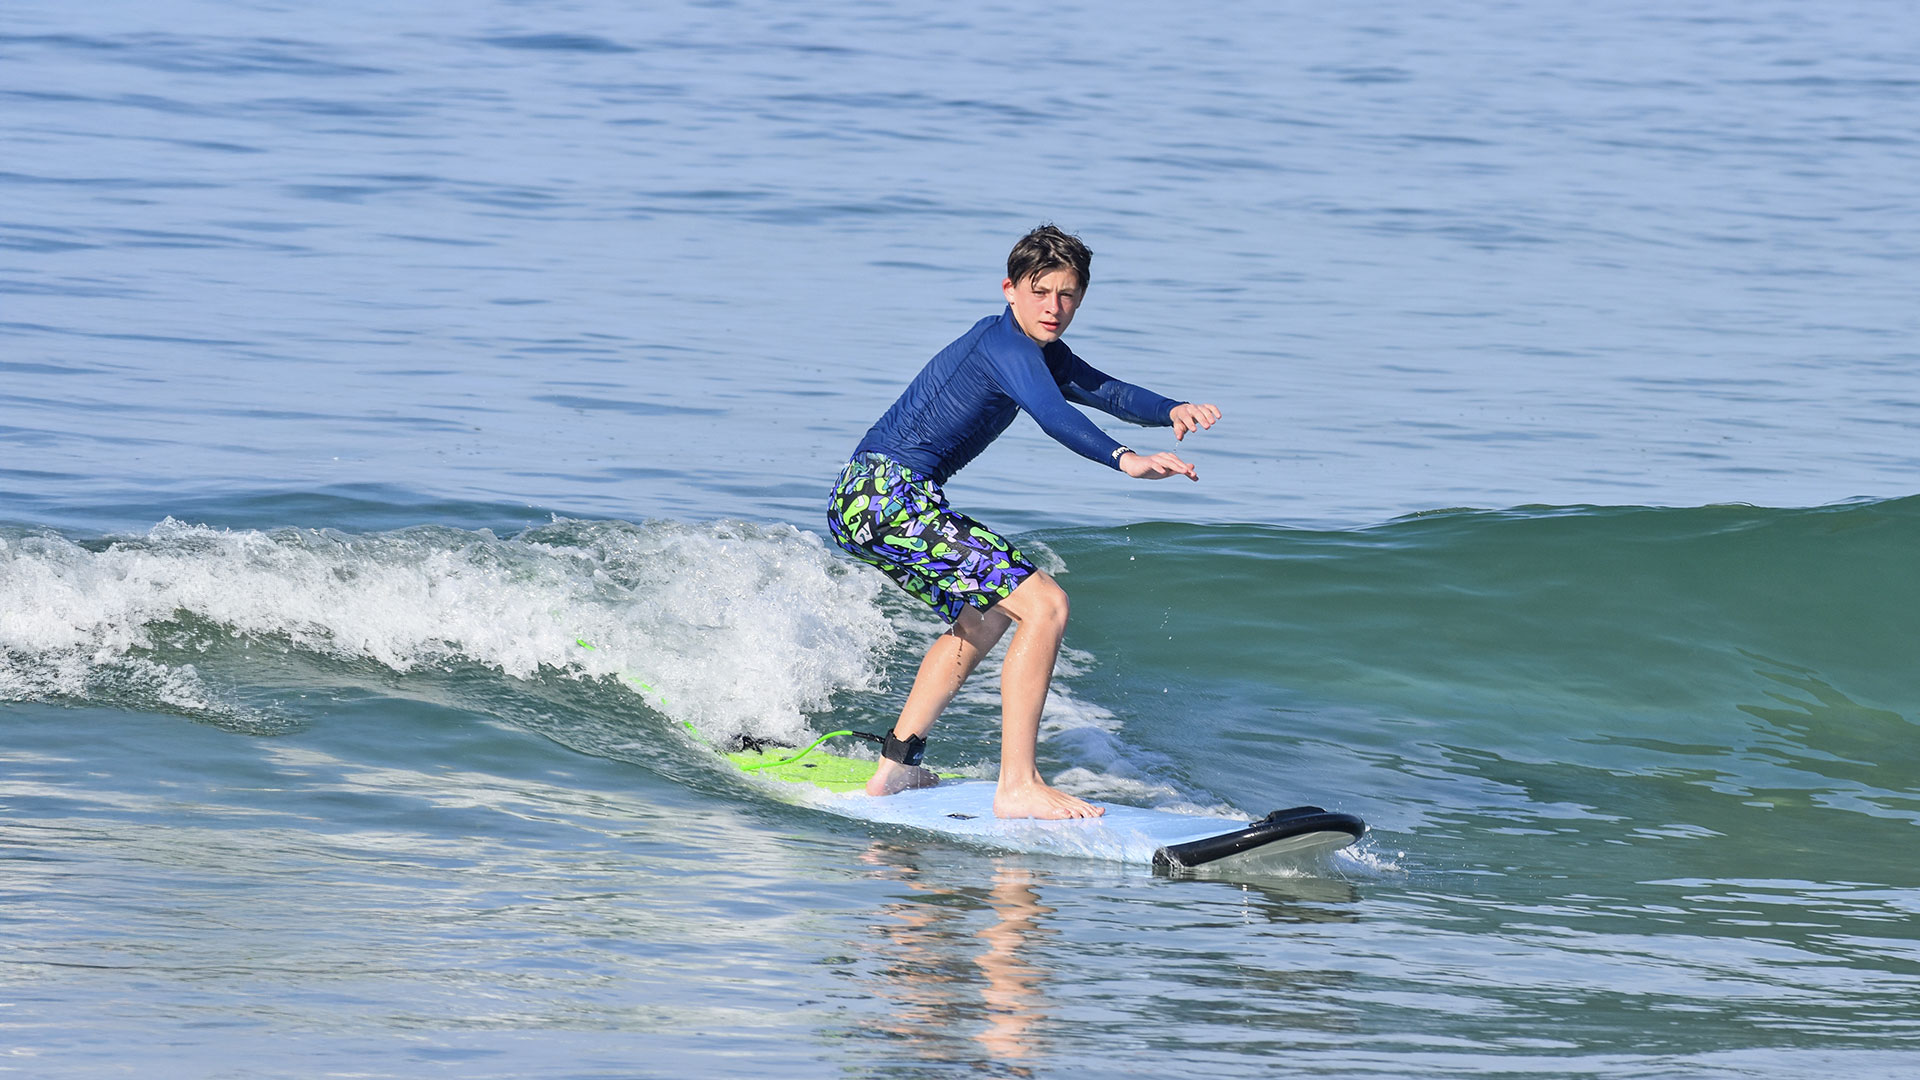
(907, 751)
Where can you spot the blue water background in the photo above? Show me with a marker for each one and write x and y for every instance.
(672, 260)
(314, 778)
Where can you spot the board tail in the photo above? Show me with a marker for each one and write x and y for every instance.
(1280, 836)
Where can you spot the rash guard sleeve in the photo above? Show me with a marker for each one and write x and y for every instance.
(1025, 378)
(1042, 381)
(1084, 384)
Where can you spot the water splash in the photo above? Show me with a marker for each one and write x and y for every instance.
(741, 628)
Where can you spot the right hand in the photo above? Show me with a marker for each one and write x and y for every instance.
(1187, 416)
(1156, 466)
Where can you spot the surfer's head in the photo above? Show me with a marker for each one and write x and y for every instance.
(1047, 276)
(1049, 248)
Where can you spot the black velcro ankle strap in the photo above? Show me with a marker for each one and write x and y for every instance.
(907, 751)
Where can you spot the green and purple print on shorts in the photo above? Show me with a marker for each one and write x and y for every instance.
(887, 515)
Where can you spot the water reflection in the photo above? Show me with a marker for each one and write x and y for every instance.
(952, 999)
(967, 962)
(1298, 900)
(1012, 993)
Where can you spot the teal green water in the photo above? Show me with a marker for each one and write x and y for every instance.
(1744, 671)
(1641, 784)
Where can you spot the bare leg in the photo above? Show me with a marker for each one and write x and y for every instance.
(949, 660)
(1039, 605)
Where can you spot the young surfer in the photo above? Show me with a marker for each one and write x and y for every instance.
(888, 509)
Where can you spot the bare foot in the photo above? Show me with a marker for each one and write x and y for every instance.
(1037, 800)
(892, 776)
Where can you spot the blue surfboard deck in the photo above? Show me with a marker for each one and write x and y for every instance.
(1284, 841)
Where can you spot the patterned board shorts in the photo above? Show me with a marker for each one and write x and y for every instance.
(885, 514)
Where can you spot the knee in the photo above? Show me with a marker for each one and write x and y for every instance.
(1042, 601)
(978, 629)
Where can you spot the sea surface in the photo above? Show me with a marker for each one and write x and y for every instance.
(415, 426)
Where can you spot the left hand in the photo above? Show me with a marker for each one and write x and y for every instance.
(1156, 466)
(1190, 417)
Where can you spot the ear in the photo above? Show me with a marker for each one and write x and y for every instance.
(1006, 288)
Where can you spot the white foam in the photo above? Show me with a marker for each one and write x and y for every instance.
(736, 627)
(1365, 858)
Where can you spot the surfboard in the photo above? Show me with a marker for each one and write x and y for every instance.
(1172, 843)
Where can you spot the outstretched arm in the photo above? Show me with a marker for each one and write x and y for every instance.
(1084, 384)
(1028, 381)
(1023, 373)
(1088, 385)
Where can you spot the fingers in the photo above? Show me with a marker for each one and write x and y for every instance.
(1157, 466)
(1190, 417)
(1167, 464)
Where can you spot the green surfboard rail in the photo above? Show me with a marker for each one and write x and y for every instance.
(824, 770)
(811, 765)
(807, 765)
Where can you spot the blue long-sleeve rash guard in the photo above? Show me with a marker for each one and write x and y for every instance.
(971, 390)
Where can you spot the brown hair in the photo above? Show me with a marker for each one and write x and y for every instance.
(1045, 250)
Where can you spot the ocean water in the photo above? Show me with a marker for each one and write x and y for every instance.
(359, 361)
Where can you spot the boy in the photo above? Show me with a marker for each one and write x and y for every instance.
(888, 509)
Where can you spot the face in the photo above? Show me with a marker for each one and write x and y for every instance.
(1044, 304)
